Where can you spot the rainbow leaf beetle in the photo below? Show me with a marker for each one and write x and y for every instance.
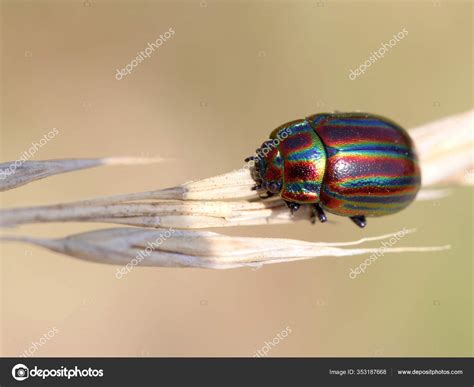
(349, 164)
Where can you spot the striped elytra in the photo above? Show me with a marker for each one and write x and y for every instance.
(349, 164)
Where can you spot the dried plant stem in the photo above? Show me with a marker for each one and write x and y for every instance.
(222, 201)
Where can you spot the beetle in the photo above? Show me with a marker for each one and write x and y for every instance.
(355, 165)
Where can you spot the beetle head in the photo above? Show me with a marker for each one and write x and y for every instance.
(268, 168)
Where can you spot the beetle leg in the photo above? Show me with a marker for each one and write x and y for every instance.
(318, 213)
(359, 220)
(293, 206)
(268, 195)
(263, 185)
(274, 187)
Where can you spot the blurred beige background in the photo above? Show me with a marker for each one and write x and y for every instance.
(207, 97)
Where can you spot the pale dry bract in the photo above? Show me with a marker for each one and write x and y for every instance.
(227, 200)
(201, 249)
(186, 213)
(14, 174)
